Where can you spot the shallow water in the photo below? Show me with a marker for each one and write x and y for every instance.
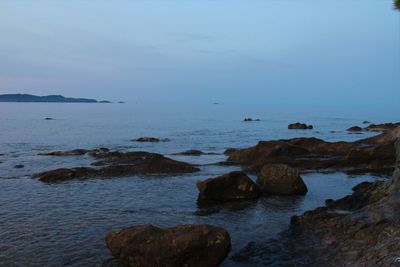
(65, 224)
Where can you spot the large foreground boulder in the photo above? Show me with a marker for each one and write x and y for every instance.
(183, 245)
(281, 179)
(232, 186)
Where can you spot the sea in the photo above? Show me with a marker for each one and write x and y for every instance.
(65, 224)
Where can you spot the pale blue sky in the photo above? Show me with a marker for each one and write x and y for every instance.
(272, 52)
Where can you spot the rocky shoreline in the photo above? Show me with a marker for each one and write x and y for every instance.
(360, 229)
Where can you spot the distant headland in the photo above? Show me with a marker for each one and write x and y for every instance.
(46, 99)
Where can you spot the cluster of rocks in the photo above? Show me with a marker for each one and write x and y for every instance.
(375, 154)
(362, 229)
(374, 127)
(116, 164)
(277, 179)
(300, 126)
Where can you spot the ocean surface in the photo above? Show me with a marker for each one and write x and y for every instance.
(65, 224)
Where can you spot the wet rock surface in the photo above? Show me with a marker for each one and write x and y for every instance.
(355, 129)
(183, 245)
(150, 139)
(191, 152)
(281, 179)
(299, 126)
(362, 229)
(375, 154)
(383, 127)
(119, 164)
(229, 187)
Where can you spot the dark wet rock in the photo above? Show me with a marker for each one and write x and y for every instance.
(366, 122)
(105, 102)
(183, 245)
(121, 102)
(281, 179)
(383, 127)
(49, 119)
(299, 125)
(206, 211)
(194, 152)
(229, 187)
(191, 152)
(355, 129)
(119, 164)
(362, 229)
(250, 119)
(19, 166)
(375, 154)
(75, 152)
(150, 139)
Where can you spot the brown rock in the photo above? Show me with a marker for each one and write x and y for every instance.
(281, 179)
(122, 164)
(232, 186)
(183, 245)
(311, 154)
(299, 125)
(355, 129)
(150, 139)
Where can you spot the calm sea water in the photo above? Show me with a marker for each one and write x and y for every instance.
(65, 224)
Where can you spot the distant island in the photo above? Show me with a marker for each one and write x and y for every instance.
(46, 99)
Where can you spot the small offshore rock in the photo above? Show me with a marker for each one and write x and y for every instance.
(355, 129)
(49, 119)
(182, 245)
(301, 126)
(150, 139)
(229, 187)
(19, 166)
(191, 152)
(366, 122)
(281, 179)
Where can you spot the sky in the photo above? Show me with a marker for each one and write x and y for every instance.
(272, 52)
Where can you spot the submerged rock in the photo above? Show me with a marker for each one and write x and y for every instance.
(311, 154)
(150, 139)
(119, 164)
(19, 166)
(191, 152)
(281, 179)
(299, 125)
(183, 245)
(75, 152)
(362, 229)
(229, 187)
(48, 119)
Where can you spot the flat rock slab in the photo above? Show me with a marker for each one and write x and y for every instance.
(119, 164)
